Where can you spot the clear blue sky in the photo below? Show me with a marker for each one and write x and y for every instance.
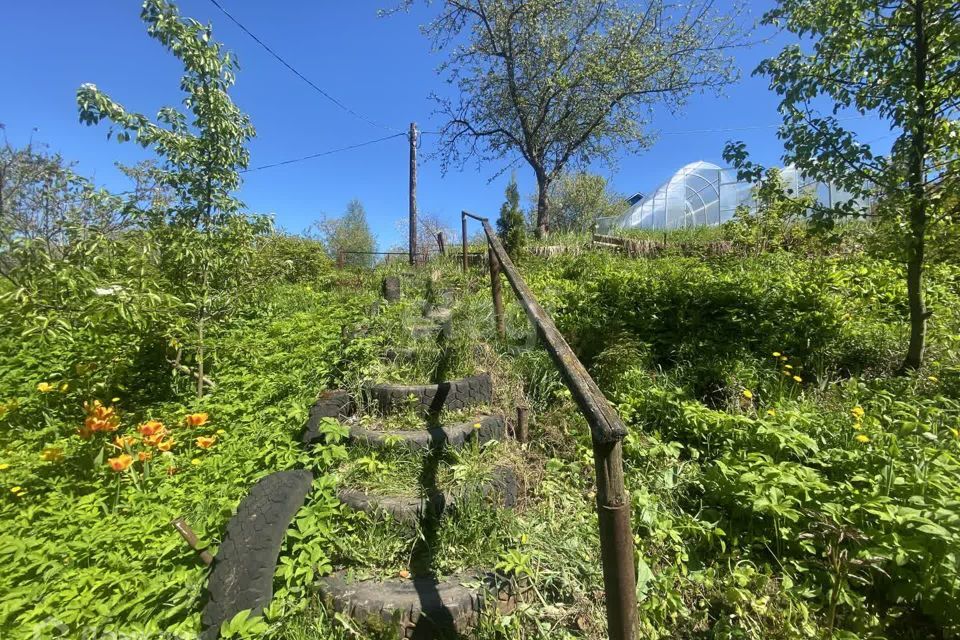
(381, 67)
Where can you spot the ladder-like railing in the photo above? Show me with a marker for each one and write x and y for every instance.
(607, 433)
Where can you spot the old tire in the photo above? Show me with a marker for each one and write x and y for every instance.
(430, 399)
(242, 575)
(330, 404)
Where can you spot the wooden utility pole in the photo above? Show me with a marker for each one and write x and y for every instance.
(413, 192)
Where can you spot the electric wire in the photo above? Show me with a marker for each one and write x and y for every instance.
(297, 73)
(322, 153)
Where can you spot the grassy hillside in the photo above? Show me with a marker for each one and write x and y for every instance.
(785, 483)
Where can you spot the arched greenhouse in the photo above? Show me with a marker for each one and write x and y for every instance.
(702, 193)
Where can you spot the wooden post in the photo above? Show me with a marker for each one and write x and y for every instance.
(463, 239)
(442, 243)
(413, 192)
(497, 291)
(522, 433)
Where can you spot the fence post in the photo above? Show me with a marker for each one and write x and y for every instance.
(442, 243)
(340, 258)
(463, 238)
(497, 290)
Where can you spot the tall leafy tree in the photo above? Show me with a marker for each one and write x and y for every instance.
(899, 60)
(559, 83)
(204, 244)
(578, 199)
(349, 233)
(510, 224)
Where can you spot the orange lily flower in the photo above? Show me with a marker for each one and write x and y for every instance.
(151, 428)
(205, 442)
(196, 419)
(143, 456)
(120, 463)
(166, 445)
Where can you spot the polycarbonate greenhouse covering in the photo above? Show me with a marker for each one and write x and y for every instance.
(702, 193)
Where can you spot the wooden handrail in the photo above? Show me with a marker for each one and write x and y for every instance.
(607, 431)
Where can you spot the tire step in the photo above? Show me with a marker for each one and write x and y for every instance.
(410, 510)
(418, 608)
(454, 436)
(430, 399)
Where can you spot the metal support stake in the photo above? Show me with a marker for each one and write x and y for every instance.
(497, 290)
(187, 534)
(463, 239)
(341, 258)
(442, 243)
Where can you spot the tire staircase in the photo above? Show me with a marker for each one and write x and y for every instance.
(422, 605)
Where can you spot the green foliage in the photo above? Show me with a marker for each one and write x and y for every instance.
(289, 258)
(897, 62)
(349, 233)
(511, 226)
(202, 245)
(578, 199)
(776, 220)
(88, 547)
(784, 484)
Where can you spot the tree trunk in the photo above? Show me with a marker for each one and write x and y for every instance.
(543, 205)
(918, 210)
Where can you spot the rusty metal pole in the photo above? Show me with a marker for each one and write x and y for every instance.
(442, 243)
(463, 239)
(413, 193)
(187, 534)
(497, 290)
(523, 424)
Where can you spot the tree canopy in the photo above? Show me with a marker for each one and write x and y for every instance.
(563, 83)
(898, 60)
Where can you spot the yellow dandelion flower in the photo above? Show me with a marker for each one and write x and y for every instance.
(195, 462)
(221, 432)
(747, 394)
(857, 412)
(933, 378)
(776, 354)
(797, 379)
(788, 366)
(4, 466)
(862, 438)
(46, 387)
(476, 425)
(771, 412)
(51, 454)
(16, 489)
(784, 358)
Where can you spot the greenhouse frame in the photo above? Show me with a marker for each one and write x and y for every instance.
(702, 193)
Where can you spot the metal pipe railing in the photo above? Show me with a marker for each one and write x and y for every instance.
(607, 433)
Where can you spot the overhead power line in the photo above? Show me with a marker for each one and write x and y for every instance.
(322, 153)
(297, 73)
